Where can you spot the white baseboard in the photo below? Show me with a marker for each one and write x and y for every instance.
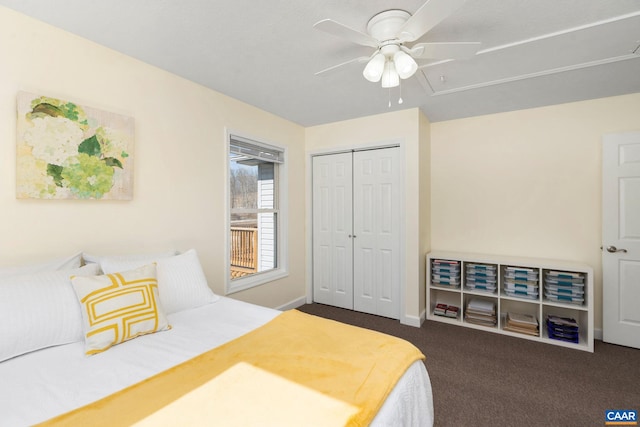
(414, 320)
(298, 302)
(597, 334)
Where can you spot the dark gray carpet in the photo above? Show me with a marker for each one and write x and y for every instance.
(486, 379)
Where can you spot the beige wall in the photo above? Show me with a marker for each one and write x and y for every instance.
(410, 129)
(526, 183)
(179, 184)
(424, 165)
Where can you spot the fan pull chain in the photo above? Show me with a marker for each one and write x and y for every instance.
(389, 98)
(400, 101)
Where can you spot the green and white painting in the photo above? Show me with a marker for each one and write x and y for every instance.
(69, 151)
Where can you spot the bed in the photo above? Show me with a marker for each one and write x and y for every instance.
(59, 378)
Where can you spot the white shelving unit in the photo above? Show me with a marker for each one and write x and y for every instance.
(532, 300)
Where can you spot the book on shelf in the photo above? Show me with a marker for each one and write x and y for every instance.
(477, 313)
(452, 311)
(519, 319)
(446, 310)
(481, 312)
(563, 328)
(573, 337)
(480, 321)
(481, 305)
(526, 331)
(480, 317)
(440, 309)
(522, 323)
(562, 323)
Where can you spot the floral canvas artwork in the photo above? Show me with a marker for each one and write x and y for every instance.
(69, 151)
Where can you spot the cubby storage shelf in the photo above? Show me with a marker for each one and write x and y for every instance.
(526, 286)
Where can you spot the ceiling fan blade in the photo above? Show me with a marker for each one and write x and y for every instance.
(340, 30)
(361, 59)
(450, 50)
(428, 16)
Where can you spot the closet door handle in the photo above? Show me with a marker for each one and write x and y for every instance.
(613, 249)
(352, 236)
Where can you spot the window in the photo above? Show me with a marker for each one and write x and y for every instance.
(256, 177)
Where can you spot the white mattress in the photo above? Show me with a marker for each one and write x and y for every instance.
(49, 382)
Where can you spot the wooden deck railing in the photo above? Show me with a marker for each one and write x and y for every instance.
(244, 248)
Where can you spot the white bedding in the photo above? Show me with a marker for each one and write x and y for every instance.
(45, 383)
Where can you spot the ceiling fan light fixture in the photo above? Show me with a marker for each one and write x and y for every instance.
(405, 65)
(390, 77)
(374, 69)
(389, 31)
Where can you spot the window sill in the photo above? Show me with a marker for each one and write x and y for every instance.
(255, 280)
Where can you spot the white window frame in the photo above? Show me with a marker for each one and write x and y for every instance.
(282, 227)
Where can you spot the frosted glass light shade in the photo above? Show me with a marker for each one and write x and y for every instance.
(374, 69)
(406, 66)
(390, 76)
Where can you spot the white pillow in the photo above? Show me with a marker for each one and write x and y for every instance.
(56, 264)
(137, 259)
(39, 311)
(181, 281)
(119, 307)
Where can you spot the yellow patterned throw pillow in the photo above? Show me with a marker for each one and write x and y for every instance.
(118, 307)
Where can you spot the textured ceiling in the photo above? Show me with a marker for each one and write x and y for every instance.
(265, 53)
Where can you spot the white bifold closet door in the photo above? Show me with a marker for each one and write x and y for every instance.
(332, 230)
(356, 231)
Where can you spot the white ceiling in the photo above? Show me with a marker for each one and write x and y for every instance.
(265, 53)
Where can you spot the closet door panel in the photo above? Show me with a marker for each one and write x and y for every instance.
(376, 246)
(332, 230)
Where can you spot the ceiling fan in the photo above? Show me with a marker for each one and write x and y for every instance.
(390, 32)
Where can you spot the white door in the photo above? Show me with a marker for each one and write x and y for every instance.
(376, 242)
(621, 239)
(332, 230)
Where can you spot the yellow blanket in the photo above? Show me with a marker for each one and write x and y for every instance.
(244, 386)
(353, 365)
